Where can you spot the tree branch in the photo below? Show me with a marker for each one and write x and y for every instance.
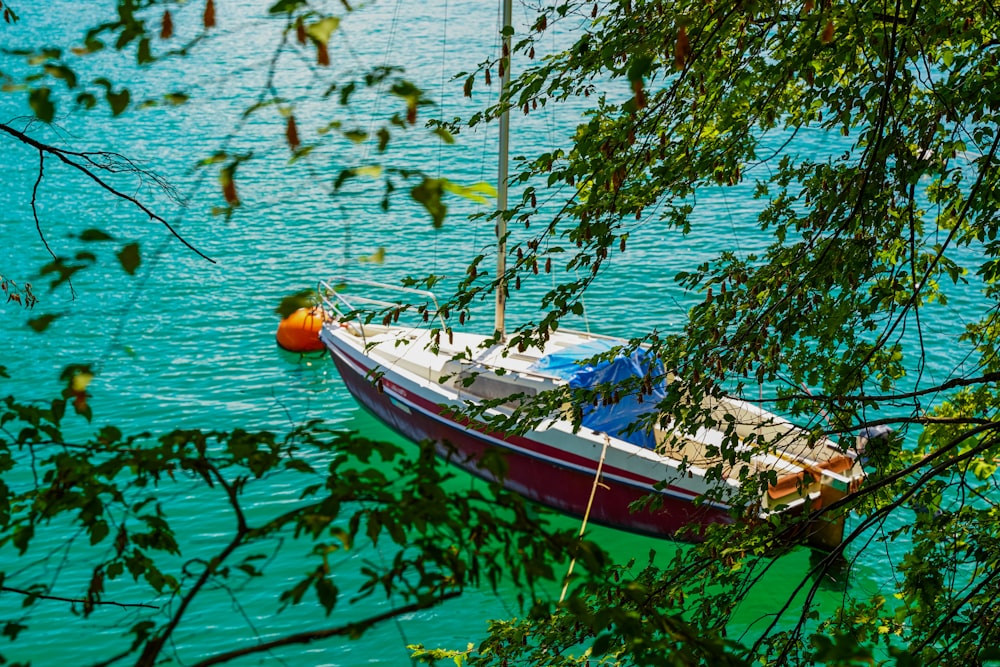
(65, 157)
(351, 629)
(8, 589)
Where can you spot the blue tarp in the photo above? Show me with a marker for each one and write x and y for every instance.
(613, 419)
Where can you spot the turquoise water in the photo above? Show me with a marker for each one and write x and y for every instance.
(188, 343)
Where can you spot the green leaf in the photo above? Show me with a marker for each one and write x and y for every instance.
(128, 256)
(98, 531)
(86, 100)
(62, 72)
(42, 323)
(638, 68)
(95, 235)
(118, 101)
(445, 135)
(143, 54)
(41, 104)
(327, 593)
(321, 30)
(12, 629)
(305, 299)
(377, 257)
(429, 194)
(286, 6)
(372, 171)
(474, 192)
(356, 136)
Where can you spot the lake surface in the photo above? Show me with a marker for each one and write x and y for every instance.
(189, 343)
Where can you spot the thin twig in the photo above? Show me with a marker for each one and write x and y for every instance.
(8, 589)
(64, 155)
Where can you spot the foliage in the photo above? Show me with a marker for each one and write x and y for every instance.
(878, 232)
(871, 239)
(110, 499)
(123, 503)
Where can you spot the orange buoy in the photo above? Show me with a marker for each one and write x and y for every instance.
(299, 332)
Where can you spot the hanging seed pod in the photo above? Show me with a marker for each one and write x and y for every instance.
(524, 109)
(395, 315)
(593, 12)
(534, 266)
(517, 282)
(534, 200)
(292, 133)
(548, 265)
(228, 182)
(640, 100)
(621, 243)
(827, 35)
(534, 104)
(427, 316)
(472, 271)
(322, 55)
(501, 67)
(451, 336)
(520, 255)
(681, 48)
(489, 78)
(167, 26)
(531, 53)
(300, 31)
(461, 317)
(208, 18)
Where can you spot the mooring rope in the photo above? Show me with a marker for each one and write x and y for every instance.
(586, 515)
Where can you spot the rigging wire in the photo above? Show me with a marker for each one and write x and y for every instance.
(441, 117)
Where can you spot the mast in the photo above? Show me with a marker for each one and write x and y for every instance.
(501, 226)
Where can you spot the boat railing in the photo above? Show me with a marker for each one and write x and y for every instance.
(345, 308)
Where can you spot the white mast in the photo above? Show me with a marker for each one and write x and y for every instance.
(501, 227)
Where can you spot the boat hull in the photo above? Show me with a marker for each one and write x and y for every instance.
(536, 470)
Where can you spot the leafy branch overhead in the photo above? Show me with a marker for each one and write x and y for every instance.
(854, 146)
(115, 488)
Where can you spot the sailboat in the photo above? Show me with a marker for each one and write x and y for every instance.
(420, 380)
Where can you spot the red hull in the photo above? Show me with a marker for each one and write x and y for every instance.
(531, 471)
